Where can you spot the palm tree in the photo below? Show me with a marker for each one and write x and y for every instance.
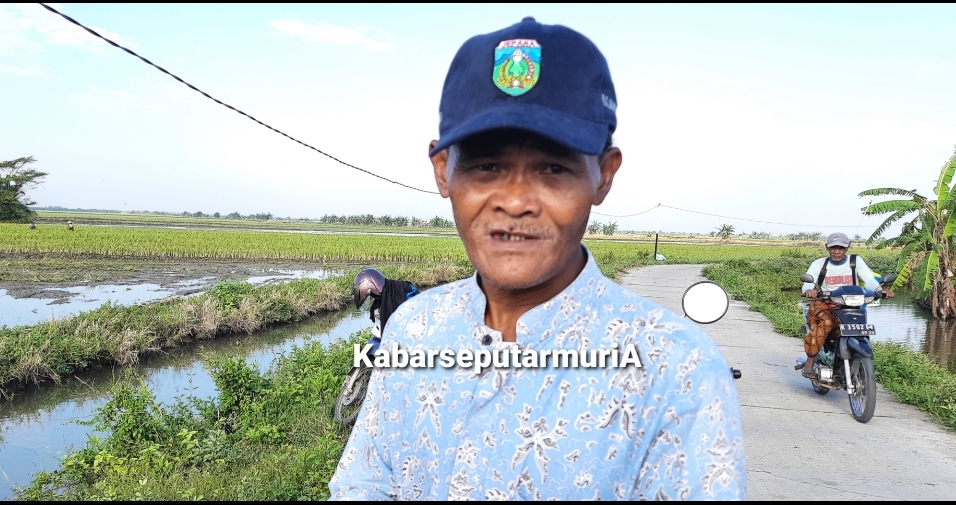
(926, 240)
(725, 231)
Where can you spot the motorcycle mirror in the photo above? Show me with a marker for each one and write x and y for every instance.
(806, 278)
(888, 279)
(705, 302)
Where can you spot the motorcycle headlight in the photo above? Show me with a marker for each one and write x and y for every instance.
(851, 300)
(870, 299)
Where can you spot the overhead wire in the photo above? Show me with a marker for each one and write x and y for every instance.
(230, 107)
(203, 93)
(627, 215)
(756, 220)
(725, 217)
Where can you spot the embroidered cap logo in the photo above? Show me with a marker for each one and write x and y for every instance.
(517, 66)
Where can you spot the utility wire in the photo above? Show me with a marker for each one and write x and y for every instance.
(203, 93)
(725, 217)
(627, 215)
(756, 220)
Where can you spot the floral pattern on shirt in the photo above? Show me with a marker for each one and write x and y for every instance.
(670, 429)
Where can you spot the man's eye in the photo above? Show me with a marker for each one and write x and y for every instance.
(486, 167)
(557, 169)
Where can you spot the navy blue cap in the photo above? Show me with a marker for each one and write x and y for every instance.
(546, 79)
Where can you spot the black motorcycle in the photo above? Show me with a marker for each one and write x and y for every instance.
(849, 344)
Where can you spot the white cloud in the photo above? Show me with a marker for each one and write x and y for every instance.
(30, 26)
(326, 33)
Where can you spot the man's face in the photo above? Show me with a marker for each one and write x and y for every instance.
(837, 253)
(521, 203)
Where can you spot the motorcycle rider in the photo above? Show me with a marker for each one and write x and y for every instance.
(832, 272)
(386, 294)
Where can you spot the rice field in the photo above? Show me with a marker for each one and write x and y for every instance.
(163, 243)
(238, 245)
(59, 218)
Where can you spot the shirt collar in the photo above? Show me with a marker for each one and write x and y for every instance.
(562, 306)
(834, 263)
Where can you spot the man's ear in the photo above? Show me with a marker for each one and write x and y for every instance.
(440, 164)
(609, 162)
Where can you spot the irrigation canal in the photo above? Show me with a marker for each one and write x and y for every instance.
(36, 427)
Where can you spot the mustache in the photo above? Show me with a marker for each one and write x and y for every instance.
(518, 228)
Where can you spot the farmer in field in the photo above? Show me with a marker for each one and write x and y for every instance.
(831, 272)
(525, 151)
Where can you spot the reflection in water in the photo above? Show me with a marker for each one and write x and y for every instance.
(36, 428)
(940, 343)
(900, 320)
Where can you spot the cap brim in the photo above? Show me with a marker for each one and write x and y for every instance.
(579, 135)
(841, 244)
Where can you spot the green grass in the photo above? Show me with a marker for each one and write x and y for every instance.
(59, 218)
(917, 380)
(267, 437)
(772, 287)
(119, 334)
(271, 436)
(161, 243)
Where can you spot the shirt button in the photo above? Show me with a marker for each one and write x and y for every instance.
(486, 340)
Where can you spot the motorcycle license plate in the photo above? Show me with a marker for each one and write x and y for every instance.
(853, 330)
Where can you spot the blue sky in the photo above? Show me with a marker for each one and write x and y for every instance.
(778, 113)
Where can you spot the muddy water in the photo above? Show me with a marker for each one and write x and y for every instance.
(900, 320)
(69, 301)
(36, 428)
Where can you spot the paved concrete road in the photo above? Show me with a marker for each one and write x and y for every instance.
(804, 446)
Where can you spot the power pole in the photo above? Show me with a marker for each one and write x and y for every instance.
(658, 232)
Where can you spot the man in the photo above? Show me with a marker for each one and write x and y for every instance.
(830, 273)
(524, 153)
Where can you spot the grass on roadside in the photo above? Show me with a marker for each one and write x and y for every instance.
(916, 380)
(772, 287)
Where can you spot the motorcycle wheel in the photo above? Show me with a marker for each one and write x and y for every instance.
(349, 402)
(818, 389)
(863, 399)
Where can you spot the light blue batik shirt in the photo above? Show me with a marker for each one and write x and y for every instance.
(669, 429)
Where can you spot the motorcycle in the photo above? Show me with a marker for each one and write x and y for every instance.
(371, 292)
(849, 343)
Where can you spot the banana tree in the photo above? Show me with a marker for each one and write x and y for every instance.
(725, 231)
(926, 240)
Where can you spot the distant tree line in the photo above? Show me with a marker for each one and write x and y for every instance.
(387, 220)
(57, 208)
(608, 228)
(812, 236)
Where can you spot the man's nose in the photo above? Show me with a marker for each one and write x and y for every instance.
(518, 196)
